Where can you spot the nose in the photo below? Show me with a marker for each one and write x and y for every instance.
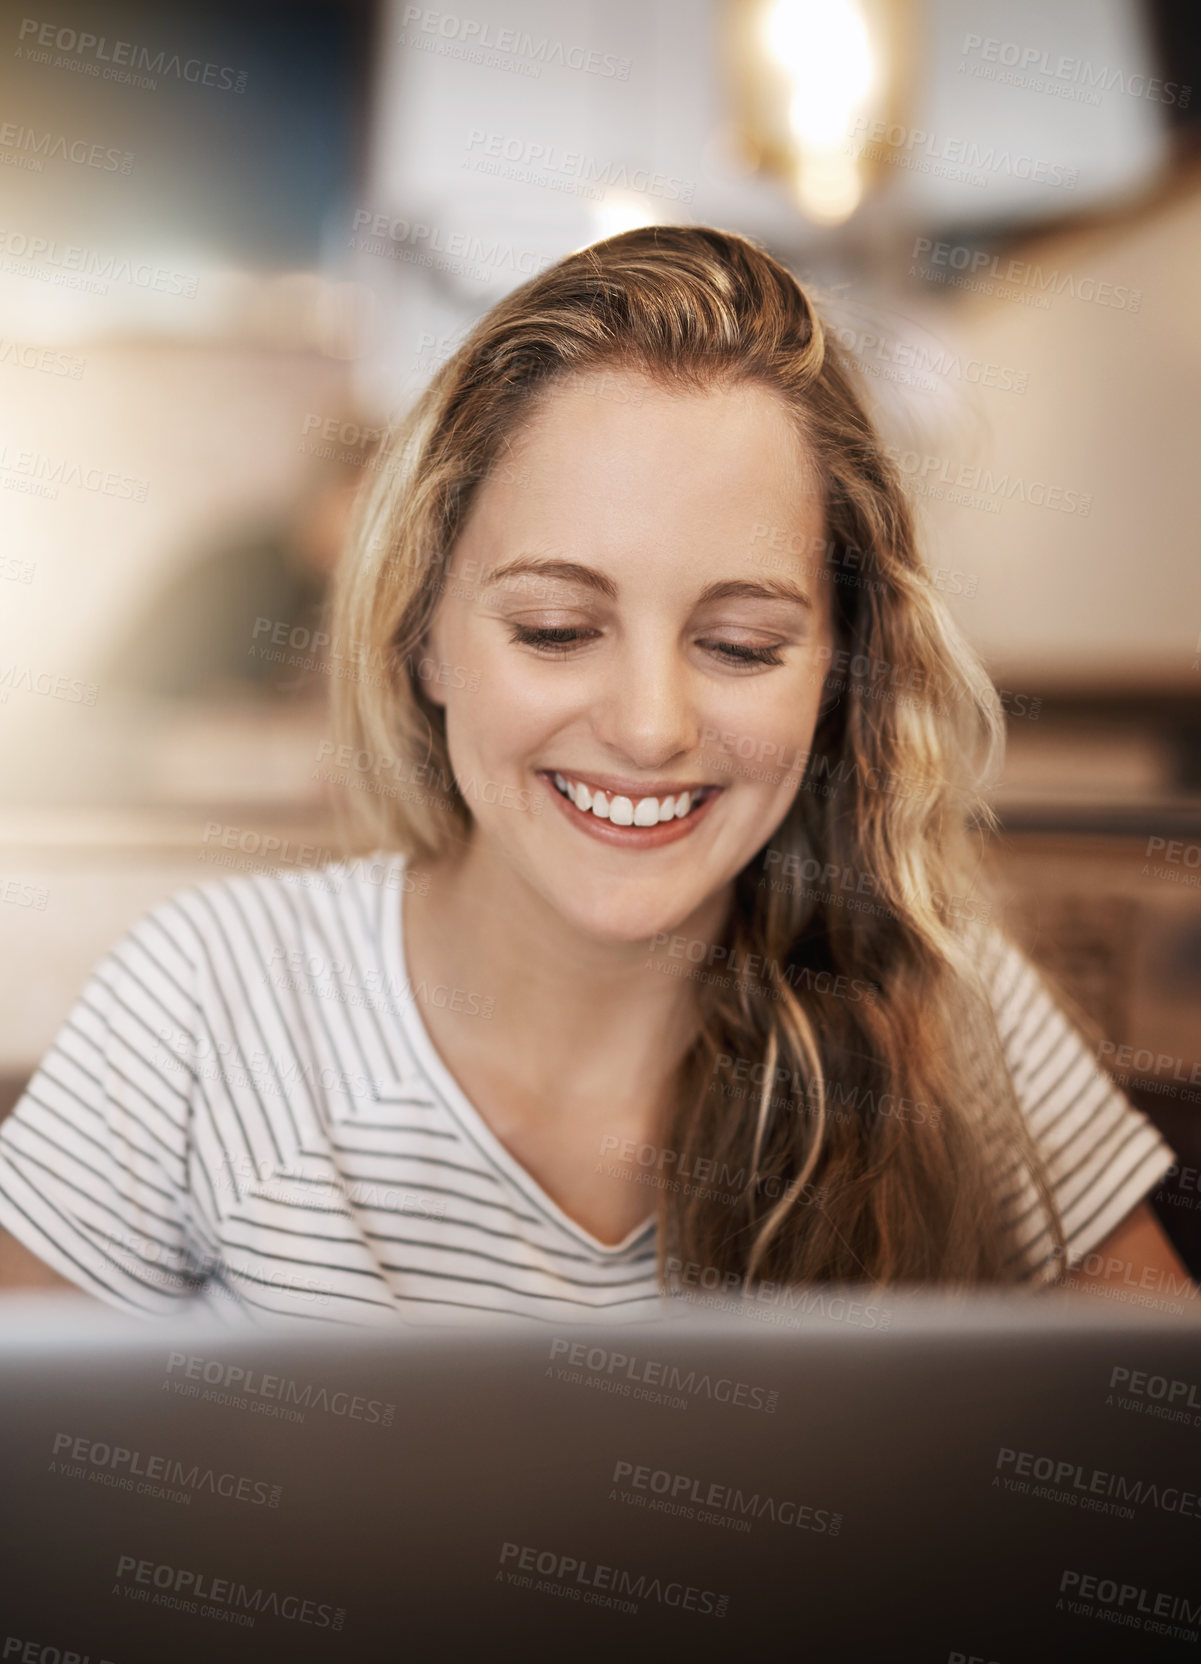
(645, 713)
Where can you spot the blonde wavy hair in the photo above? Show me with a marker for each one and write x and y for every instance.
(819, 1192)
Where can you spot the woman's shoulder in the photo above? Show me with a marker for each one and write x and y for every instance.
(1030, 1016)
(1022, 999)
(262, 913)
(1101, 1155)
(1000, 962)
(1052, 1061)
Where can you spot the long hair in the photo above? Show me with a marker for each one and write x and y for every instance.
(852, 1108)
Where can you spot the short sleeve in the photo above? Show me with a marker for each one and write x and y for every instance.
(94, 1158)
(1102, 1155)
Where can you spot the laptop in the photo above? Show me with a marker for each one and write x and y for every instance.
(990, 1480)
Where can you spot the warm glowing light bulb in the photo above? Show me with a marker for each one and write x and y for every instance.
(824, 48)
(825, 51)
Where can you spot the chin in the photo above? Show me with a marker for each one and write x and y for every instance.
(628, 913)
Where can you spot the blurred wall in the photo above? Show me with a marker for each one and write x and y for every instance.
(353, 185)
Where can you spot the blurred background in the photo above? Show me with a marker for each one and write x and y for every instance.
(237, 238)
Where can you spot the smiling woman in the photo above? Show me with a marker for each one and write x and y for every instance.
(610, 456)
(654, 751)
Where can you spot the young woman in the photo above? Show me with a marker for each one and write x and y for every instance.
(667, 971)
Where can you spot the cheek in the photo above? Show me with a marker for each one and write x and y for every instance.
(760, 733)
(453, 644)
(513, 708)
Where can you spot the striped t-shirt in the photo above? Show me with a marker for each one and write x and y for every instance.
(244, 1108)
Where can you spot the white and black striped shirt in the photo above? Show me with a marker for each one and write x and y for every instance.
(244, 1106)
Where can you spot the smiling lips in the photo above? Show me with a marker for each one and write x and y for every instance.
(629, 811)
(631, 819)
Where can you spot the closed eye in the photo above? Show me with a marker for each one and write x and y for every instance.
(737, 652)
(561, 640)
(547, 640)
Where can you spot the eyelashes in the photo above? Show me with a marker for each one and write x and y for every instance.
(552, 641)
(737, 653)
(549, 640)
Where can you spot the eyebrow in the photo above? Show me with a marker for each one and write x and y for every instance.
(569, 571)
(732, 589)
(759, 589)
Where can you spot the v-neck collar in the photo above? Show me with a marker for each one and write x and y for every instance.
(468, 1118)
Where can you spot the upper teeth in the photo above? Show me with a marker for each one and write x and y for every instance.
(626, 811)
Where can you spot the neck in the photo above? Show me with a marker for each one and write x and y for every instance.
(568, 1007)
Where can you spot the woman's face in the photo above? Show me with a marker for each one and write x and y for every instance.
(615, 621)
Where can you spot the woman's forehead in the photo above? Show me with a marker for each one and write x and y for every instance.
(622, 461)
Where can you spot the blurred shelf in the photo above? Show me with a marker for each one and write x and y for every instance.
(153, 829)
(1176, 818)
